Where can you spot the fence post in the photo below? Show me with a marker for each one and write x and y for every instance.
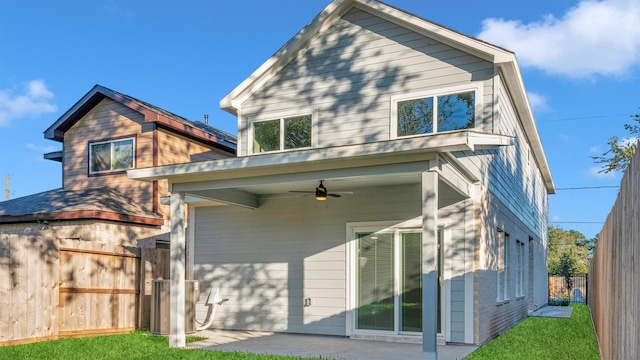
(586, 287)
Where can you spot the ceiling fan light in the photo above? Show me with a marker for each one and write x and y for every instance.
(321, 192)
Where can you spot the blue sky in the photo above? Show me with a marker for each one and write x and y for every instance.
(580, 62)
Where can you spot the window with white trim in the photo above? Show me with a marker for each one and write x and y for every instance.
(503, 265)
(520, 269)
(435, 113)
(111, 156)
(284, 133)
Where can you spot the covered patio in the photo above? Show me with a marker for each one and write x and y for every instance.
(330, 347)
(434, 180)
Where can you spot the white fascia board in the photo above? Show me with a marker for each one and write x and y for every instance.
(330, 14)
(327, 17)
(399, 150)
(480, 141)
(477, 47)
(515, 84)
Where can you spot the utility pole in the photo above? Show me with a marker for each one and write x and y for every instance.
(6, 188)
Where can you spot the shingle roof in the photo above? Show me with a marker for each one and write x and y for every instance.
(152, 113)
(60, 204)
(198, 124)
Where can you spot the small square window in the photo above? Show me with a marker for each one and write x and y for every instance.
(297, 132)
(282, 134)
(456, 111)
(266, 136)
(415, 117)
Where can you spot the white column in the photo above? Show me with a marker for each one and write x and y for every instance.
(429, 269)
(177, 271)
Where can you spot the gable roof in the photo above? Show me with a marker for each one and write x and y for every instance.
(504, 60)
(60, 204)
(152, 114)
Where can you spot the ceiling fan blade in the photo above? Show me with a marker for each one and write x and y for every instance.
(302, 192)
(334, 195)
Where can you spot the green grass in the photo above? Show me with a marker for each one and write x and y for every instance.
(534, 338)
(545, 338)
(136, 345)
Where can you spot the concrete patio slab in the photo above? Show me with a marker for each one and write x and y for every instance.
(554, 312)
(331, 347)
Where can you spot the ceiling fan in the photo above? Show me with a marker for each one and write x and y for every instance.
(322, 192)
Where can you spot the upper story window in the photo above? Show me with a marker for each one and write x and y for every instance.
(109, 156)
(429, 113)
(282, 134)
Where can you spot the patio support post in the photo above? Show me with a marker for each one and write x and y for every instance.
(177, 258)
(429, 270)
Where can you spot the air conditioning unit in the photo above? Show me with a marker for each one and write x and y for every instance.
(160, 299)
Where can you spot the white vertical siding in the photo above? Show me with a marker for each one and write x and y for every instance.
(350, 72)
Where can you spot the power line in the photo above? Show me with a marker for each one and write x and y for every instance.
(588, 117)
(589, 187)
(576, 222)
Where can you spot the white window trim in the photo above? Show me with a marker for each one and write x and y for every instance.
(111, 141)
(450, 90)
(520, 269)
(281, 116)
(504, 249)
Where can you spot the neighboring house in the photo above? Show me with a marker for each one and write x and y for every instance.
(444, 235)
(98, 214)
(103, 135)
(106, 132)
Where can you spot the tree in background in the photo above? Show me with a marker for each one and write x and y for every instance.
(571, 245)
(620, 150)
(568, 268)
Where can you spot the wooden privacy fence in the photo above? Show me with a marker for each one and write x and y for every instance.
(97, 291)
(614, 274)
(53, 288)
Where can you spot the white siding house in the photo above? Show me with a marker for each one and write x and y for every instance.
(440, 234)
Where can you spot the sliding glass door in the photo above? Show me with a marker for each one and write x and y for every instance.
(375, 281)
(411, 282)
(388, 281)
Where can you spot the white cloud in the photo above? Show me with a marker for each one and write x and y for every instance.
(596, 172)
(628, 140)
(41, 148)
(595, 150)
(114, 8)
(593, 38)
(32, 100)
(537, 101)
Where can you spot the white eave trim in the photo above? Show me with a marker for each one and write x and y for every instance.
(443, 142)
(232, 102)
(515, 84)
(476, 47)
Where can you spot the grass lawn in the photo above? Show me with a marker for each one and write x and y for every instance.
(545, 338)
(534, 338)
(137, 345)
